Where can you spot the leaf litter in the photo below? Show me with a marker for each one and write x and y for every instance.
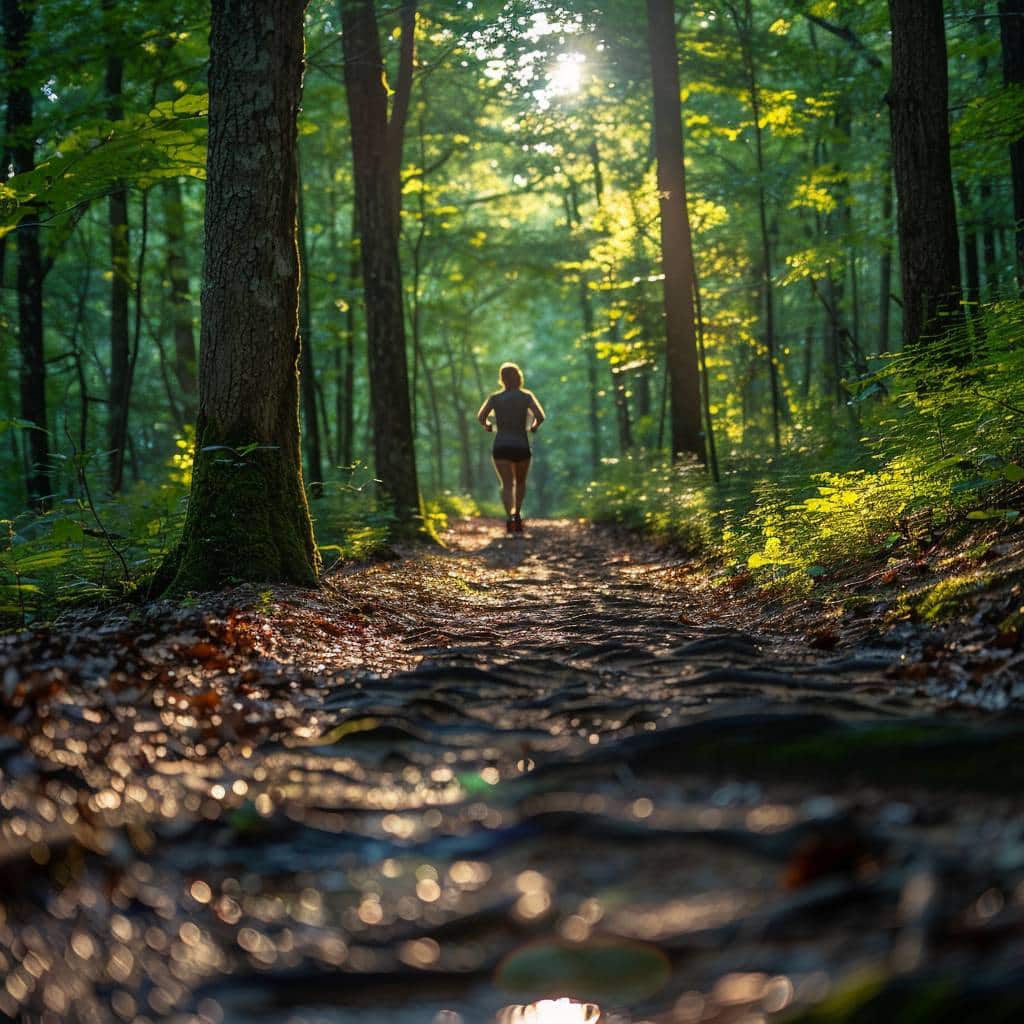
(443, 787)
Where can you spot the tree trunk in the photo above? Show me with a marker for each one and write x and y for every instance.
(247, 516)
(307, 376)
(181, 306)
(376, 154)
(744, 30)
(676, 243)
(1011, 30)
(918, 97)
(988, 241)
(32, 376)
(346, 398)
(118, 393)
(463, 418)
(885, 267)
(972, 263)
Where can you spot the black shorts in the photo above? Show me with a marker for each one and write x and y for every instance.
(511, 452)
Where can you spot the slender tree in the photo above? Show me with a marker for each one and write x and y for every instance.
(119, 388)
(18, 16)
(377, 141)
(676, 242)
(247, 516)
(310, 420)
(1011, 27)
(743, 19)
(176, 269)
(926, 218)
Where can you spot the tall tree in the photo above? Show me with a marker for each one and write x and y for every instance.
(247, 514)
(119, 390)
(176, 268)
(926, 219)
(676, 241)
(307, 377)
(1011, 29)
(377, 141)
(743, 19)
(18, 17)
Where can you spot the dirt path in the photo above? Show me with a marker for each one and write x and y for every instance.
(419, 794)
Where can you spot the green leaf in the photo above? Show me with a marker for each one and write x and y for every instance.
(975, 484)
(67, 531)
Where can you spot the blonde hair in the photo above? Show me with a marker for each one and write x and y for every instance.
(510, 376)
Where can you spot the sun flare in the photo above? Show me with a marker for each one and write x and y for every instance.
(566, 77)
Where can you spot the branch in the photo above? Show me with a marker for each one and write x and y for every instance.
(848, 36)
(403, 87)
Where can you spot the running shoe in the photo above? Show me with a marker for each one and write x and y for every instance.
(517, 523)
(510, 526)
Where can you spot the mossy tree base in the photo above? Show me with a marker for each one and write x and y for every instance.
(248, 521)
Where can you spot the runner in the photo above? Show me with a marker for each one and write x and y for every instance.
(516, 411)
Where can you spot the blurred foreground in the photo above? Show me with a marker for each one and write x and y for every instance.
(498, 784)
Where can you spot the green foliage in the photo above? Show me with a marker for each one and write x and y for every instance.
(349, 520)
(167, 142)
(670, 503)
(447, 506)
(943, 443)
(947, 442)
(63, 557)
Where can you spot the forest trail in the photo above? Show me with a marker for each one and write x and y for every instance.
(550, 763)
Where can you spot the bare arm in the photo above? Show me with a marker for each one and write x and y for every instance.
(485, 411)
(538, 413)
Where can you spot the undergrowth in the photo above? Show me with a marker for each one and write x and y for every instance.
(90, 549)
(941, 444)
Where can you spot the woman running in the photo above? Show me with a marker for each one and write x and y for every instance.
(516, 411)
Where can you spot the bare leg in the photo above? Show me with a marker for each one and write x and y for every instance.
(521, 469)
(506, 474)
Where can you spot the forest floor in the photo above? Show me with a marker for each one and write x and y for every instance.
(446, 785)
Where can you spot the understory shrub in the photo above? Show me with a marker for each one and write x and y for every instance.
(941, 440)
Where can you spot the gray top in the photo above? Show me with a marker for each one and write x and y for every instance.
(510, 409)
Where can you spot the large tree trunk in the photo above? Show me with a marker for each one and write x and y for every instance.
(1011, 27)
(181, 306)
(32, 377)
(929, 249)
(247, 516)
(676, 243)
(376, 154)
(118, 394)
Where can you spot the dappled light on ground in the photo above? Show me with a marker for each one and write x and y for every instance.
(498, 783)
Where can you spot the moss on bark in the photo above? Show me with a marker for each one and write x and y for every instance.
(248, 521)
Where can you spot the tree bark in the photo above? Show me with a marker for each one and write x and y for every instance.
(32, 375)
(118, 393)
(181, 306)
(676, 243)
(376, 153)
(918, 97)
(247, 516)
(1011, 30)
